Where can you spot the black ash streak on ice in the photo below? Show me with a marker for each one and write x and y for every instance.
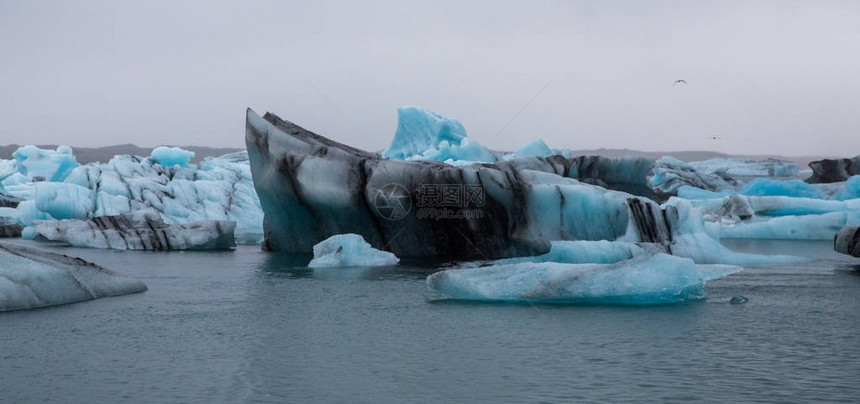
(284, 157)
(143, 230)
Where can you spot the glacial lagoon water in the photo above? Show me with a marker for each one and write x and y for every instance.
(251, 326)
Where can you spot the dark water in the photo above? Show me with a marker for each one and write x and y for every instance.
(249, 326)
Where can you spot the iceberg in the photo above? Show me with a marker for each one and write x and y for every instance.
(31, 278)
(645, 280)
(792, 188)
(847, 241)
(141, 230)
(171, 156)
(734, 167)
(219, 189)
(537, 148)
(312, 188)
(833, 170)
(45, 165)
(669, 174)
(349, 250)
(779, 217)
(425, 135)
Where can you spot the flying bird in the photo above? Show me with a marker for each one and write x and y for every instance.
(679, 82)
(715, 138)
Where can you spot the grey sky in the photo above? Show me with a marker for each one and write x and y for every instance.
(766, 77)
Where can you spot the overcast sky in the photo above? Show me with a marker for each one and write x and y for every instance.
(775, 77)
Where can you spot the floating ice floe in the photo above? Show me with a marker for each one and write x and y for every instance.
(349, 250)
(140, 230)
(649, 279)
(31, 278)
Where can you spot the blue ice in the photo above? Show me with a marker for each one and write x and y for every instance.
(349, 250)
(171, 156)
(644, 280)
(45, 165)
(793, 188)
(425, 135)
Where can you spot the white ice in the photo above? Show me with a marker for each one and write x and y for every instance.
(349, 250)
(644, 280)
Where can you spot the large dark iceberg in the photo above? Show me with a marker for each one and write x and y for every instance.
(833, 170)
(312, 188)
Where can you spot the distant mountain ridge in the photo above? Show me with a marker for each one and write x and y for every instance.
(86, 155)
(696, 155)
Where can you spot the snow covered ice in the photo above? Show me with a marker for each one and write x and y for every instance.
(31, 278)
(349, 250)
(649, 279)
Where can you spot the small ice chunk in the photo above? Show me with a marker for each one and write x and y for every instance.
(171, 156)
(651, 279)
(738, 299)
(349, 250)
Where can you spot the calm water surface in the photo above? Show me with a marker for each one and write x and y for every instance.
(250, 326)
